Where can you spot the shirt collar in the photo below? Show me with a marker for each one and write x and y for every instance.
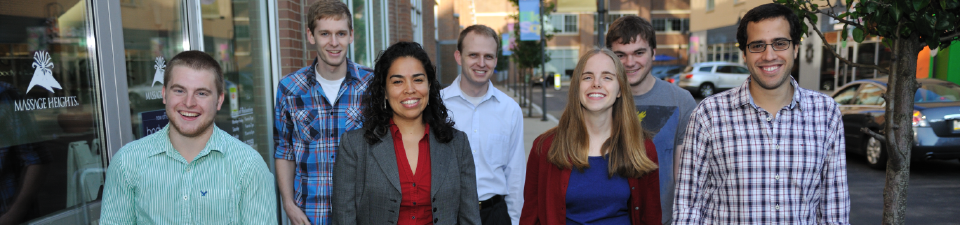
(213, 144)
(352, 71)
(395, 131)
(454, 91)
(742, 95)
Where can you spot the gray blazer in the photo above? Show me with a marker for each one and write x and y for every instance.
(366, 181)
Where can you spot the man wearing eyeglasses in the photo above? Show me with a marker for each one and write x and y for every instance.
(769, 151)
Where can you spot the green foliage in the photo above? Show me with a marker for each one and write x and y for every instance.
(929, 19)
(527, 53)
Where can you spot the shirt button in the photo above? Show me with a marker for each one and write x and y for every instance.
(769, 118)
(414, 203)
(776, 207)
(413, 217)
(636, 208)
(184, 197)
(776, 147)
(777, 177)
(474, 131)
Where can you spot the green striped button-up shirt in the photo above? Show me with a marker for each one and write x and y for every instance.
(149, 182)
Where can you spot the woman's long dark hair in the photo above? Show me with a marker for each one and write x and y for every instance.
(376, 117)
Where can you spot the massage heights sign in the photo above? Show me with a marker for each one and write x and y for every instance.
(43, 78)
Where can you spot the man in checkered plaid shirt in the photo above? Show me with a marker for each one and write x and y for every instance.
(769, 151)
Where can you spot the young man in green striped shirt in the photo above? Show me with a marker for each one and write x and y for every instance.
(190, 172)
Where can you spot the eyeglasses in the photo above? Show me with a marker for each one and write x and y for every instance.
(778, 45)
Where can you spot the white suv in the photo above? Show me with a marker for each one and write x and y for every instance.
(707, 78)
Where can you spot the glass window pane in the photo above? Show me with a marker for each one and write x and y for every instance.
(49, 109)
(845, 97)
(246, 71)
(360, 34)
(148, 45)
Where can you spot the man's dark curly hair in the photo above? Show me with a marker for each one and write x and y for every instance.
(768, 11)
(376, 117)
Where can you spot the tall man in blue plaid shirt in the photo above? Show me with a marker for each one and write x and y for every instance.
(769, 151)
(315, 105)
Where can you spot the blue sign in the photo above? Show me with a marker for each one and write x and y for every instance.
(530, 20)
(505, 44)
(153, 121)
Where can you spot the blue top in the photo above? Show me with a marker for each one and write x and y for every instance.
(595, 198)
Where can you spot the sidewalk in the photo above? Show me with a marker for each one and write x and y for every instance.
(532, 126)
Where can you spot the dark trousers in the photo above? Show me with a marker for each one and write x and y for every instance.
(495, 215)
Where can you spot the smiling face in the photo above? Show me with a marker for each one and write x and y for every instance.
(478, 58)
(599, 87)
(769, 69)
(332, 37)
(408, 89)
(637, 59)
(191, 101)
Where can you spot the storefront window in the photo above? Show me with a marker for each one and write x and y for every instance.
(234, 33)
(152, 34)
(50, 145)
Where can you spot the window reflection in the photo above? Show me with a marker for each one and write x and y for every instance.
(48, 108)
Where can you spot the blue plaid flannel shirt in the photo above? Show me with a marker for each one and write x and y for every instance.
(307, 130)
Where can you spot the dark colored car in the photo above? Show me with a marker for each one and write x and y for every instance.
(663, 71)
(936, 119)
(537, 80)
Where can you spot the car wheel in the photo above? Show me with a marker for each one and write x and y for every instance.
(706, 90)
(876, 156)
(826, 85)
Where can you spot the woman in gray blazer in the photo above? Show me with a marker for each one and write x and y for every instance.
(407, 165)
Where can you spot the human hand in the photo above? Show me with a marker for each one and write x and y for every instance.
(296, 215)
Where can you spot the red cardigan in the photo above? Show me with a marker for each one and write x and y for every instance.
(545, 191)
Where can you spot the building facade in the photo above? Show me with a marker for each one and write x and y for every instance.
(81, 78)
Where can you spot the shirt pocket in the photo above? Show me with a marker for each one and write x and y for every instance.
(307, 124)
(495, 149)
(217, 206)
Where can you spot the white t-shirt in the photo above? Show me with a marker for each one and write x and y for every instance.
(330, 87)
(471, 99)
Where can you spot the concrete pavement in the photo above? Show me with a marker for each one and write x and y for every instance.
(532, 126)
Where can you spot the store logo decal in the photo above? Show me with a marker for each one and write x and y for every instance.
(160, 66)
(43, 76)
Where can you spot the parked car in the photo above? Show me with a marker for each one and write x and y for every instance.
(663, 71)
(706, 78)
(537, 80)
(936, 119)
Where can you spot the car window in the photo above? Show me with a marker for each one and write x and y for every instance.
(706, 69)
(869, 94)
(674, 71)
(725, 69)
(688, 69)
(740, 69)
(938, 92)
(846, 96)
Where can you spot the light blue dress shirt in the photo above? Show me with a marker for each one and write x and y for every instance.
(495, 131)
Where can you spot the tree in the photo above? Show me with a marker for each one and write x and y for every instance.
(906, 26)
(527, 53)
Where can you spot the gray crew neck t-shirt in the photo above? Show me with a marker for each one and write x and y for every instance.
(664, 111)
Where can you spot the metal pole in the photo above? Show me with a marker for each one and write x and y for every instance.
(543, 67)
(601, 19)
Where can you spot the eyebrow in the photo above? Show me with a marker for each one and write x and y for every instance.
(172, 86)
(401, 76)
(775, 39)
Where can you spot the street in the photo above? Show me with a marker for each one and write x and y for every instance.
(933, 193)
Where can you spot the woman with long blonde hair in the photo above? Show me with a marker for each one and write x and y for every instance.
(598, 165)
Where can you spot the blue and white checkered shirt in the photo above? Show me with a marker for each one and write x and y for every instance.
(741, 165)
(307, 130)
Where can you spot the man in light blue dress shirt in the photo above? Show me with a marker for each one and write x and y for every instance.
(493, 123)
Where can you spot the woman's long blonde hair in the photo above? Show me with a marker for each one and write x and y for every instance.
(624, 149)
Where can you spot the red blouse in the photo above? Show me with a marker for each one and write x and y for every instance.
(545, 191)
(414, 187)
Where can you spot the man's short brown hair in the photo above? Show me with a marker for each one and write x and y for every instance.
(626, 28)
(481, 30)
(196, 60)
(328, 9)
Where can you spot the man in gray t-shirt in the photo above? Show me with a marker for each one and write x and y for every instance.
(663, 108)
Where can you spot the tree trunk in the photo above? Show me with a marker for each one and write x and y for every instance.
(901, 89)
